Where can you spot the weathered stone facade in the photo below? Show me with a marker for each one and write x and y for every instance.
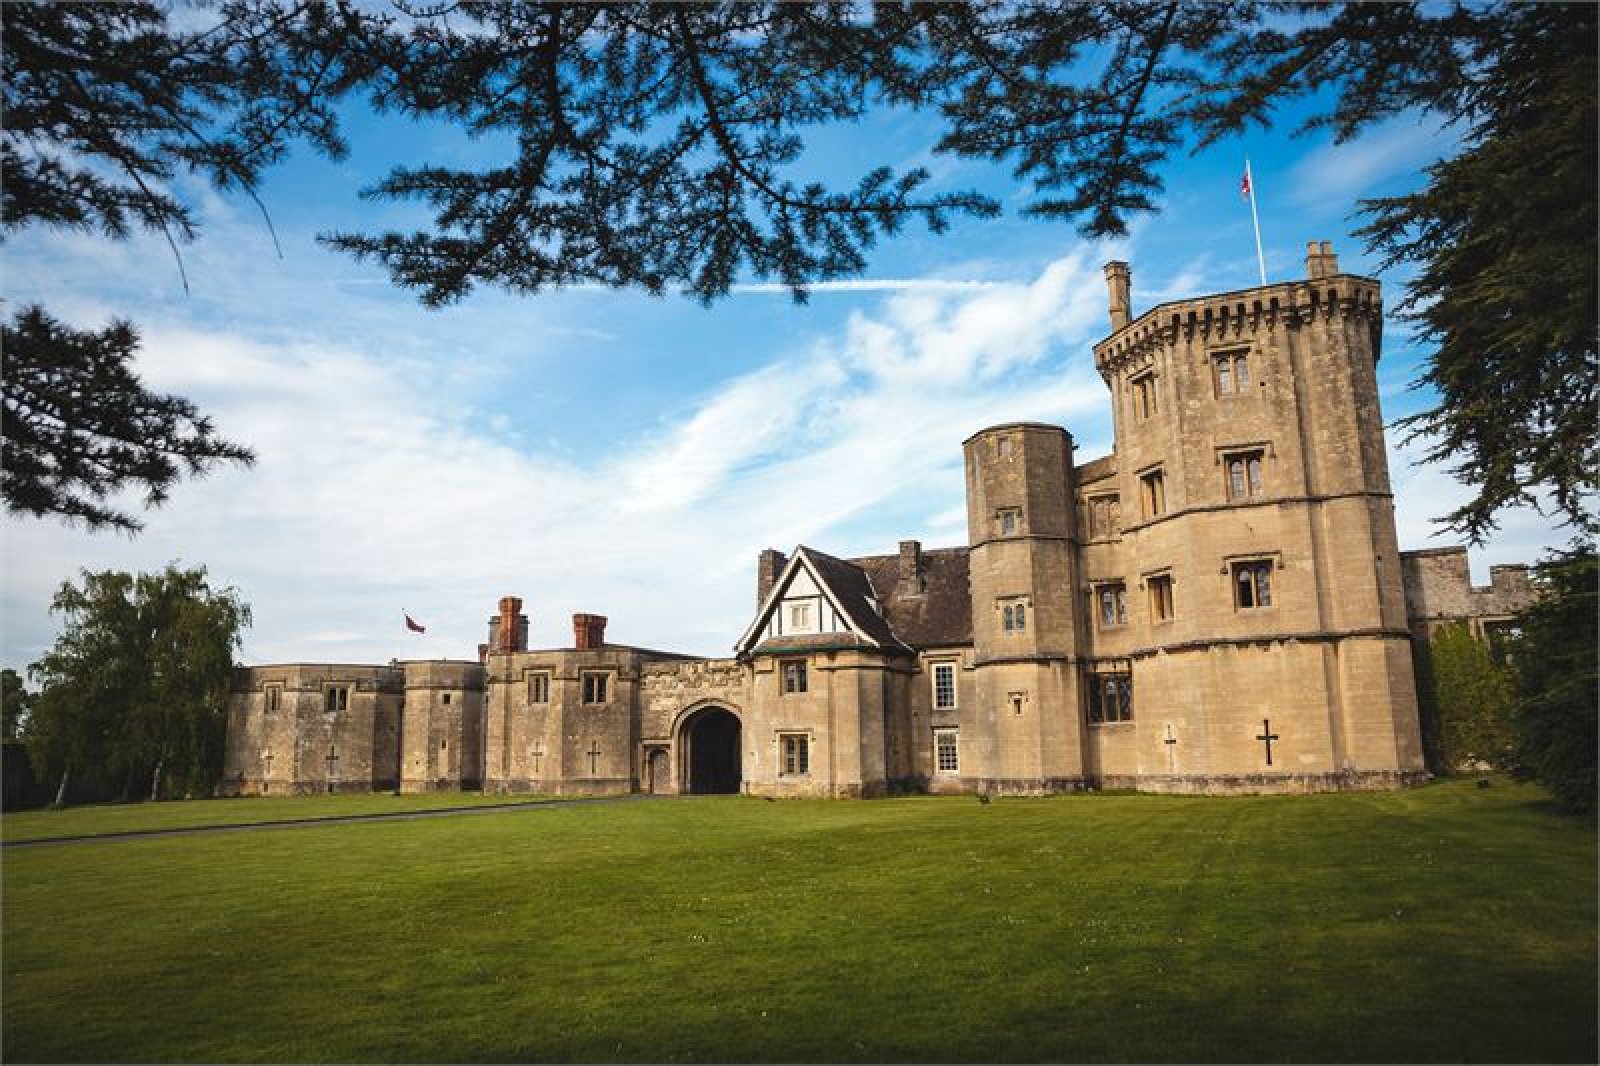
(1439, 590)
(1218, 606)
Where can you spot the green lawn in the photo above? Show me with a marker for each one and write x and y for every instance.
(1440, 924)
(99, 820)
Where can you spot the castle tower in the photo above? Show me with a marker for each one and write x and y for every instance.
(1024, 734)
(441, 731)
(1256, 543)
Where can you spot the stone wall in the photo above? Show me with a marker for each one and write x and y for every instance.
(304, 728)
(442, 726)
(1439, 589)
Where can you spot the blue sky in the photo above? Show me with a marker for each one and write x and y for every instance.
(617, 453)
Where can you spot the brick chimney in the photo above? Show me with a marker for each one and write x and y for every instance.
(768, 566)
(1320, 260)
(508, 630)
(588, 631)
(1118, 281)
(911, 576)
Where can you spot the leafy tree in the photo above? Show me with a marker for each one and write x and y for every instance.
(1473, 696)
(15, 700)
(1556, 655)
(1505, 236)
(80, 426)
(659, 145)
(134, 691)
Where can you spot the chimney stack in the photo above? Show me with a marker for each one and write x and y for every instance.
(589, 631)
(1320, 260)
(769, 565)
(508, 630)
(1117, 281)
(911, 566)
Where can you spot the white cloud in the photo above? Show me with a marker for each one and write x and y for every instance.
(385, 483)
(1340, 174)
(875, 285)
(379, 489)
(1425, 492)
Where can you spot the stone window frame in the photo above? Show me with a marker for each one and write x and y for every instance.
(1013, 614)
(934, 669)
(444, 698)
(1097, 589)
(1226, 378)
(1153, 491)
(272, 696)
(336, 697)
(794, 753)
(538, 682)
(952, 734)
(793, 679)
(1144, 394)
(1159, 596)
(1008, 521)
(1103, 515)
(1258, 569)
(1260, 451)
(595, 687)
(1002, 446)
(1498, 633)
(1017, 699)
(1098, 685)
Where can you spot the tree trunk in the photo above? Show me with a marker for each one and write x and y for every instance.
(61, 791)
(155, 780)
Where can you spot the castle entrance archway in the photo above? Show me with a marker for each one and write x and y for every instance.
(711, 742)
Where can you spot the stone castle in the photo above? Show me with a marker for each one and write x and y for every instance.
(1219, 605)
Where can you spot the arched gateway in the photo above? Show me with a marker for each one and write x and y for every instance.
(710, 742)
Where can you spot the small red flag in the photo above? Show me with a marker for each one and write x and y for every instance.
(1244, 185)
(412, 625)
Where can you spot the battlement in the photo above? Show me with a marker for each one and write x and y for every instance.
(1233, 315)
(1438, 585)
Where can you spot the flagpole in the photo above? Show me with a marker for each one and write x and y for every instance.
(1249, 183)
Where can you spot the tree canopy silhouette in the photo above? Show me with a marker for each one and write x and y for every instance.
(660, 146)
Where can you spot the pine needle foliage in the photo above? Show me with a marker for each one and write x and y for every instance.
(662, 146)
(1558, 710)
(80, 427)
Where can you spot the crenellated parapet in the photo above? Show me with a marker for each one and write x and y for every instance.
(1235, 316)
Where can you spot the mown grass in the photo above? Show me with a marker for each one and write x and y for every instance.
(1439, 924)
(104, 819)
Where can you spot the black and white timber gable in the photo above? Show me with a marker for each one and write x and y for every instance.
(815, 598)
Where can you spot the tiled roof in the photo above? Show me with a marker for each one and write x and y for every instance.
(936, 615)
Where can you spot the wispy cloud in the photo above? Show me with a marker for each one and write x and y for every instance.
(379, 484)
(876, 285)
(1341, 174)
